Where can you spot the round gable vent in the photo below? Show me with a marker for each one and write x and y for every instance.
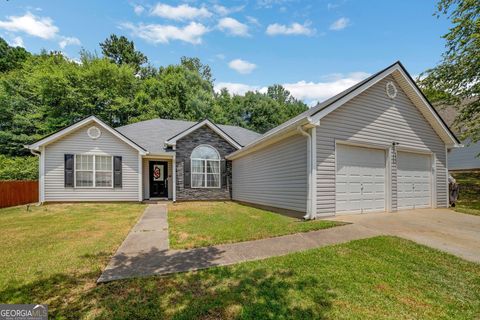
(94, 132)
(391, 90)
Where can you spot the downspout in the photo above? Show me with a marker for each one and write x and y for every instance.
(309, 214)
(40, 176)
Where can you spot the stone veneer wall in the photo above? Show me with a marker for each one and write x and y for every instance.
(183, 150)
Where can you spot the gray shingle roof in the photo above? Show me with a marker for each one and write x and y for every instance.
(152, 134)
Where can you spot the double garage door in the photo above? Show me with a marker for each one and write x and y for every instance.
(361, 180)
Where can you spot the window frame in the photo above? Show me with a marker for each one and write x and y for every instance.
(94, 171)
(205, 169)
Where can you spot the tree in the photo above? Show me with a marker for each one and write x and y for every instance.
(11, 57)
(122, 51)
(456, 80)
(195, 65)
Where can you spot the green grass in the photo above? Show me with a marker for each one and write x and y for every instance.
(469, 199)
(200, 224)
(54, 254)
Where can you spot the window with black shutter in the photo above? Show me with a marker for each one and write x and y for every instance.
(117, 171)
(68, 168)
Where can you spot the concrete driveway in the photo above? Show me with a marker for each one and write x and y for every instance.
(443, 229)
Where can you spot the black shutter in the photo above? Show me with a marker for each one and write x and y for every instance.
(186, 174)
(223, 172)
(68, 168)
(117, 171)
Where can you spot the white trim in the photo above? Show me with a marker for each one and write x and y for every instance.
(446, 176)
(303, 132)
(174, 176)
(389, 193)
(140, 180)
(434, 180)
(75, 126)
(313, 133)
(42, 175)
(206, 122)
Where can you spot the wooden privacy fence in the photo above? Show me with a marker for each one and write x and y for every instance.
(14, 193)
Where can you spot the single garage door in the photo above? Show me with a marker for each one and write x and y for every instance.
(360, 179)
(413, 180)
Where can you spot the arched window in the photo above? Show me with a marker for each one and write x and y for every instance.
(205, 166)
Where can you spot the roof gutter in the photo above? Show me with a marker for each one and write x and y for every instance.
(267, 139)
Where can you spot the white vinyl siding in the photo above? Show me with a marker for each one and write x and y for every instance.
(275, 176)
(373, 118)
(78, 142)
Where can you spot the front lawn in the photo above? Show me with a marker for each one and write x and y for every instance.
(54, 254)
(469, 198)
(200, 224)
(48, 250)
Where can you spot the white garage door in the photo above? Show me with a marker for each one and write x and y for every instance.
(360, 179)
(413, 180)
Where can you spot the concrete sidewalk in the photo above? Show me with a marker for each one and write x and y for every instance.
(145, 250)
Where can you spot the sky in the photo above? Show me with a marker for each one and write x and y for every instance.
(314, 48)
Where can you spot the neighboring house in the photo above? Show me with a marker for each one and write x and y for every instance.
(377, 146)
(467, 157)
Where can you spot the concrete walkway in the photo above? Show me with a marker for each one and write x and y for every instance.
(145, 250)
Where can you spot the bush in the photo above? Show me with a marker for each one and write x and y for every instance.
(18, 168)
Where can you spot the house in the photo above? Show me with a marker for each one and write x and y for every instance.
(377, 146)
(466, 158)
(461, 159)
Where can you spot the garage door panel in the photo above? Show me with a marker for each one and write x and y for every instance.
(413, 180)
(360, 179)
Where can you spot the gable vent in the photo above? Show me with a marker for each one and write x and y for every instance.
(94, 133)
(391, 90)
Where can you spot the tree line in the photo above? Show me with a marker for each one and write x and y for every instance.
(42, 93)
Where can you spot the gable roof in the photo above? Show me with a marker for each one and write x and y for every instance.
(77, 125)
(153, 134)
(315, 114)
(173, 140)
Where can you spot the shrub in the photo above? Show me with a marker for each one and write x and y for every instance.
(18, 168)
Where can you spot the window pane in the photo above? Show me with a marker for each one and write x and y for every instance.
(198, 166)
(213, 180)
(213, 166)
(103, 163)
(205, 152)
(103, 179)
(84, 179)
(84, 162)
(198, 180)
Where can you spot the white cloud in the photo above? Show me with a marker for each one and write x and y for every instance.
(235, 88)
(138, 9)
(233, 27)
(308, 91)
(253, 20)
(157, 33)
(67, 41)
(181, 12)
(293, 29)
(242, 66)
(340, 24)
(220, 56)
(17, 42)
(224, 11)
(41, 27)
